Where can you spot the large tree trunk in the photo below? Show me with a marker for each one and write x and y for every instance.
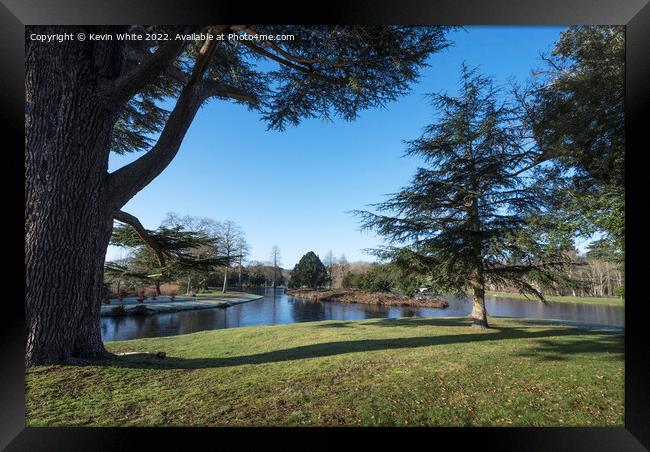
(74, 91)
(68, 219)
(479, 315)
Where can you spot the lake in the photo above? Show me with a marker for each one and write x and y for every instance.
(278, 308)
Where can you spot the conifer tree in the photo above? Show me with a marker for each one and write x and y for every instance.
(473, 215)
(309, 271)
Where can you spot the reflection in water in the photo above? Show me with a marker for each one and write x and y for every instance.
(278, 308)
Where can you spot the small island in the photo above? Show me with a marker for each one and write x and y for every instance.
(361, 296)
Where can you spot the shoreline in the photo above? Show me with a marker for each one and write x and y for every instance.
(164, 305)
(601, 301)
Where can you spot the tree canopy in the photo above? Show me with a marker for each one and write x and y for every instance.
(576, 110)
(323, 71)
(309, 271)
(176, 253)
(474, 213)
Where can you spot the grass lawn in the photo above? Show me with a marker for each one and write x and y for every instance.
(389, 372)
(562, 298)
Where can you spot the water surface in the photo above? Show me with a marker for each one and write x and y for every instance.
(278, 308)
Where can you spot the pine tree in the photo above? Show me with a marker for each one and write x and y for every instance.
(309, 271)
(176, 253)
(473, 215)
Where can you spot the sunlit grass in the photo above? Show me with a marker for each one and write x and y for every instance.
(390, 372)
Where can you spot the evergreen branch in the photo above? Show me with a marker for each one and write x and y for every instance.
(130, 179)
(132, 221)
(274, 57)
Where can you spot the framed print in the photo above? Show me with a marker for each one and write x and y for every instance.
(389, 216)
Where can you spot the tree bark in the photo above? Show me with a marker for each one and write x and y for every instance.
(68, 218)
(479, 314)
(74, 91)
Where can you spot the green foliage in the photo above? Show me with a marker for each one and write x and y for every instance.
(309, 271)
(379, 278)
(128, 274)
(603, 250)
(350, 280)
(580, 109)
(473, 214)
(185, 253)
(620, 291)
(326, 71)
(390, 277)
(576, 112)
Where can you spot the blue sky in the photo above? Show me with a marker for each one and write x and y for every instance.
(294, 188)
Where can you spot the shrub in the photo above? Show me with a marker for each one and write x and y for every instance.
(380, 278)
(309, 271)
(620, 291)
(172, 294)
(350, 280)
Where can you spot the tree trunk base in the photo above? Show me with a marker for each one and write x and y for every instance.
(480, 324)
(88, 360)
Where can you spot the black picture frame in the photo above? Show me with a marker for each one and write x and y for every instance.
(635, 14)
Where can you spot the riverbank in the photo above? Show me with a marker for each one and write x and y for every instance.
(359, 296)
(391, 372)
(560, 298)
(131, 305)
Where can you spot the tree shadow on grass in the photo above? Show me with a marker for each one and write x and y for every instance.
(409, 322)
(549, 350)
(556, 350)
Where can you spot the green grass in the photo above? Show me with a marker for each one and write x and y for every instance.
(383, 372)
(562, 298)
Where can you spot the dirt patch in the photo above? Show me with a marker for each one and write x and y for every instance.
(359, 296)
